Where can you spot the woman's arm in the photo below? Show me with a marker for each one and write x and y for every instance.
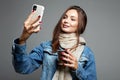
(23, 62)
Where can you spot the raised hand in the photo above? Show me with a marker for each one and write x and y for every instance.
(31, 25)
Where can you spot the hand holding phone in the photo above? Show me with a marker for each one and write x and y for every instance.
(30, 24)
(61, 62)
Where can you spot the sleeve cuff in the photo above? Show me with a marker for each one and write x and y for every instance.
(18, 48)
(78, 71)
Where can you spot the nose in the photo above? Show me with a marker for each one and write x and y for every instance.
(66, 20)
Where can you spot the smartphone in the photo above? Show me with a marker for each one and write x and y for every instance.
(61, 62)
(61, 50)
(39, 11)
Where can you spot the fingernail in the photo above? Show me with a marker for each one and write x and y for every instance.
(62, 58)
(39, 16)
(61, 52)
(40, 22)
(33, 10)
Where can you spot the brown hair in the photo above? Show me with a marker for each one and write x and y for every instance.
(82, 21)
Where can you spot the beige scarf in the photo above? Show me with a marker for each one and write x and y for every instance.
(68, 41)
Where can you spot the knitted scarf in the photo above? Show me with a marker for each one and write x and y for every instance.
(68, 41)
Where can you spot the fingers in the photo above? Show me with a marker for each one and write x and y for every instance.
(35, 25)
(68, 54)
(31, 24)
(69, 59)
(31, 19)
(34, 29)
(34, 20)
(30, 16)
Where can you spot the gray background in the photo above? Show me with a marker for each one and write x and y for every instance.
(102, 33)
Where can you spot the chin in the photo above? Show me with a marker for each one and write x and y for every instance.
(63, 31)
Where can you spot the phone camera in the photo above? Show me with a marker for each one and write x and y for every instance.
(34, 7)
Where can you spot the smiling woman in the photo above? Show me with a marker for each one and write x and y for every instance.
(65, 57)
(70, 21)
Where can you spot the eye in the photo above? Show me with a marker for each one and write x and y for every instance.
(73, 19)
(65, 16)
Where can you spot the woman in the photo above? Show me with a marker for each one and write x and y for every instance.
(66, 57)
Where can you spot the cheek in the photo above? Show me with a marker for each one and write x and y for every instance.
(75, 26)
(61, 24)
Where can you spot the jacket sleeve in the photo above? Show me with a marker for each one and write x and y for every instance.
(23, 62)
(86, 66)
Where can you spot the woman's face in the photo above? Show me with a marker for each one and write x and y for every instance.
(69, 22)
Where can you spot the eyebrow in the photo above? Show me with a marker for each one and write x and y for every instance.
(70, 16)
(73, 16)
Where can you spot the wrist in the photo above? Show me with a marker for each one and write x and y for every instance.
(23, 37)
(21, 41)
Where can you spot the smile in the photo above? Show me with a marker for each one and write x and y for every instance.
(65, 26)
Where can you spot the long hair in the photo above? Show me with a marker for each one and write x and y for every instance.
(82, 21)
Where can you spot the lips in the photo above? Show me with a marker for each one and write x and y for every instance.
(65, 26)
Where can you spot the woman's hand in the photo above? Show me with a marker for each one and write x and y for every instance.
(69, 60)
(31, 25)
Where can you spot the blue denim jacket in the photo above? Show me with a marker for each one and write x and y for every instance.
(42, 55)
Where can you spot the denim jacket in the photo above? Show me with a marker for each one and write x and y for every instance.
(25, 63)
